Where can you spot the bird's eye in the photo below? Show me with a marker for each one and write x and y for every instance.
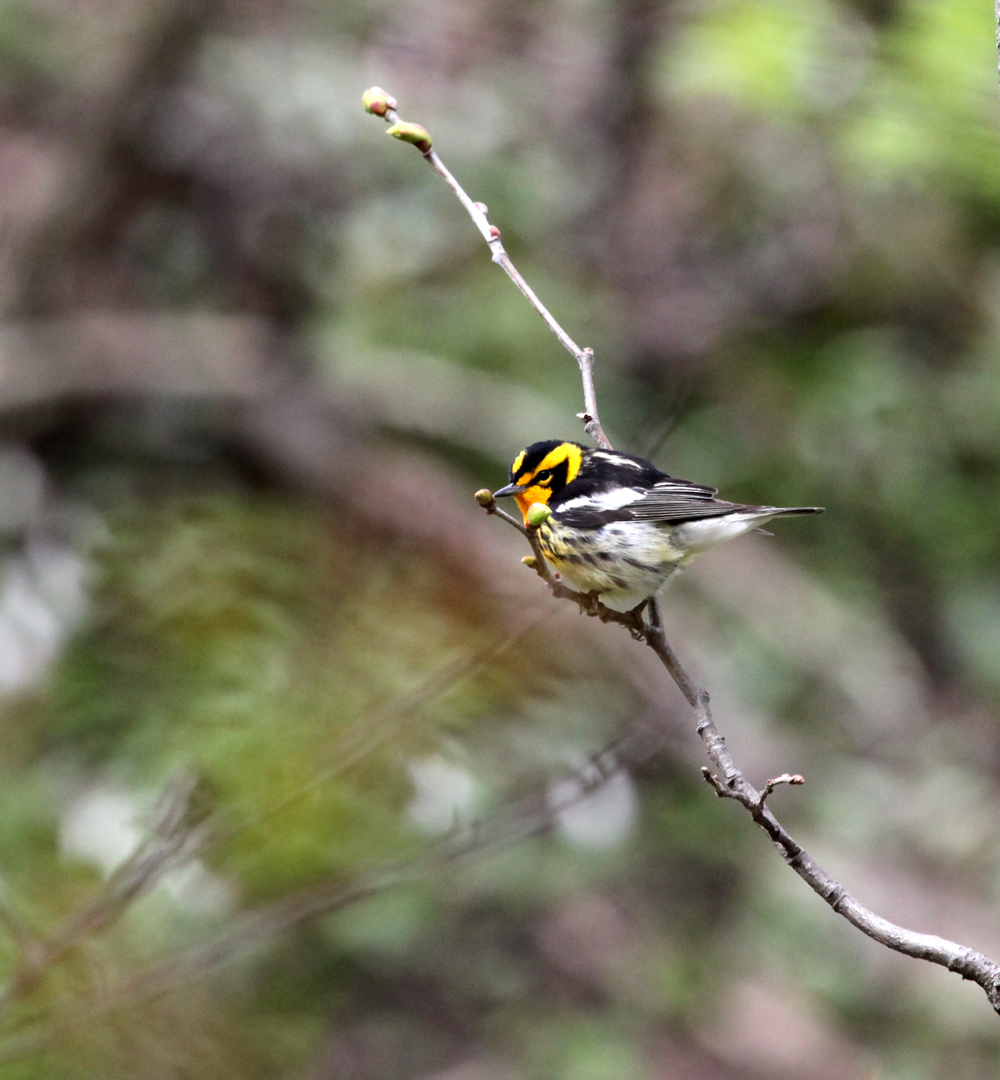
(545, 474)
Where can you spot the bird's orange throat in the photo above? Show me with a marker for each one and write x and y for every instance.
(526, 499)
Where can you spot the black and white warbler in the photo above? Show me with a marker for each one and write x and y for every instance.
(619, 527)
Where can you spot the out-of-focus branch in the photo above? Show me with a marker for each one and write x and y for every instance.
(384, 723)
(996, 19)
(173, 839)
(176, 836)
(532, 816)
(379, 103)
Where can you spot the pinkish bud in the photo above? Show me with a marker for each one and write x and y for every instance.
(377, 101)
(482, 207)
(494, 233)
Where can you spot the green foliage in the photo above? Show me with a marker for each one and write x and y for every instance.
(776, 223)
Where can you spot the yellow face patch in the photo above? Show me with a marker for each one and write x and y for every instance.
(541, 491)
(568, 452)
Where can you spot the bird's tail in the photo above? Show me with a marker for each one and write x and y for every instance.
(774, 511)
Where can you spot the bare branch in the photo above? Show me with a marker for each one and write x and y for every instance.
(732, 783)
(796, 779)
(378, 102)
(970, 964)
(532, 816)
(17, 928)
(996, 19)
(173, 839)
(535, 561)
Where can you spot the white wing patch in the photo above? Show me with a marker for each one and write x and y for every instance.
(606, 500)
(617, 459)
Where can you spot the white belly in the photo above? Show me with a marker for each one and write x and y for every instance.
(623, 563)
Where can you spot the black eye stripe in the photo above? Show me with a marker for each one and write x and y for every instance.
(530, 472)
(554, 477)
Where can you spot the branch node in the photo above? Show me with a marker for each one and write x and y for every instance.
(717, 785)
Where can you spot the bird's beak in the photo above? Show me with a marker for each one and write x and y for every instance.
(510, 489)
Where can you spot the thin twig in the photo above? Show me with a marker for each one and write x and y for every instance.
(385, 722)
(536, 561)
(996, 19)
(17, 928)
(172, 840)
(385, 106)
(532, 816)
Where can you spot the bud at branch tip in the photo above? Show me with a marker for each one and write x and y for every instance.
(377, 101)
(485, 497)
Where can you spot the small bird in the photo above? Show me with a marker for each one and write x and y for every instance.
(620, 527)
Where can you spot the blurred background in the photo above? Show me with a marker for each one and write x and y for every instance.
(254, 361)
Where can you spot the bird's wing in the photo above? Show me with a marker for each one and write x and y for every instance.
(668, 501)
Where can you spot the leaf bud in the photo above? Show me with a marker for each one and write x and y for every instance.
(529, 561)
(412, 133)
(377, 101)
(537, 515)
(485, 497)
